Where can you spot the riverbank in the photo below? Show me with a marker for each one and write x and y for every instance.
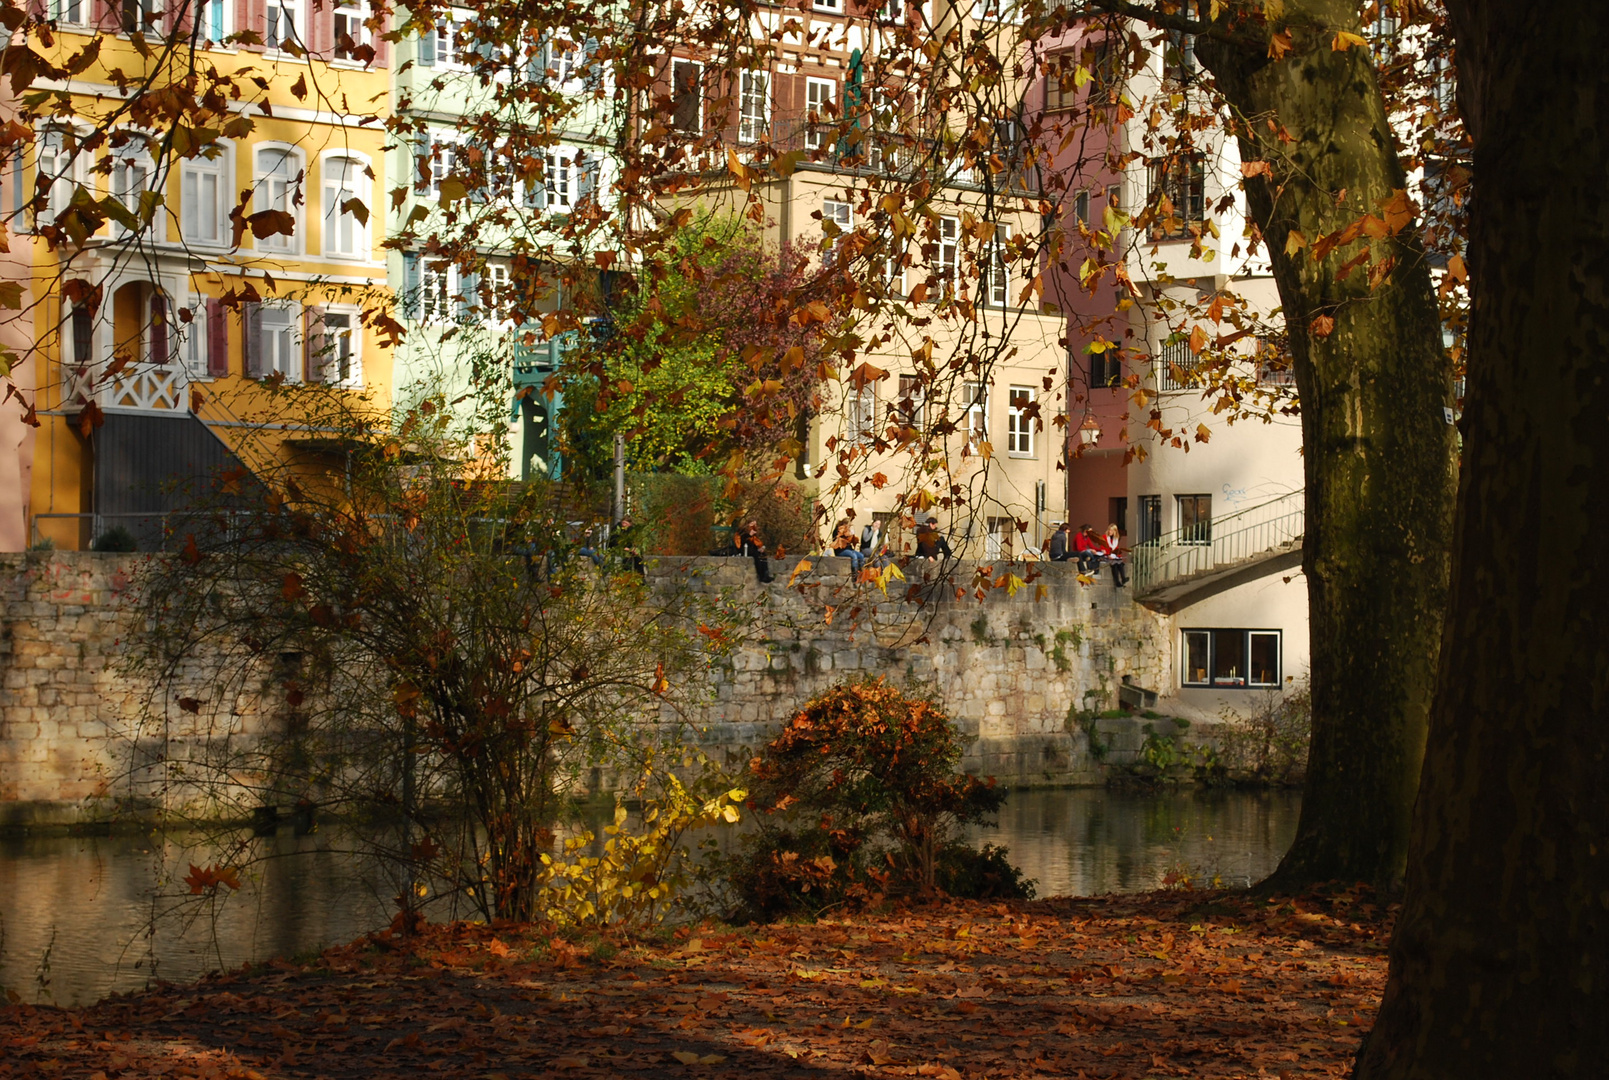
(1196, 984)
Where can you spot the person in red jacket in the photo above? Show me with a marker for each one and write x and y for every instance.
(1087, 549)
(1112, 555)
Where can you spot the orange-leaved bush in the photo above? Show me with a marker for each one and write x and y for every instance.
(859, 799)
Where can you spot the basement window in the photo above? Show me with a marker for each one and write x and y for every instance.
(1230, 658)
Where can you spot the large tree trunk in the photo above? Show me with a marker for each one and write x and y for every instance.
(1379, 453)
(1500, 961)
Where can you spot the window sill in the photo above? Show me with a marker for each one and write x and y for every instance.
(1017, 455)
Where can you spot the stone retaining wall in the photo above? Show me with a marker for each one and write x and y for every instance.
(1012, 667)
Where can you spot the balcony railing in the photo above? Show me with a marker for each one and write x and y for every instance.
(1226, 542)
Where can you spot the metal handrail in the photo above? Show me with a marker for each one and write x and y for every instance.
(1264, 528)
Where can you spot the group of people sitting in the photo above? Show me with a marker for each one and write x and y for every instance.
(1091, 550)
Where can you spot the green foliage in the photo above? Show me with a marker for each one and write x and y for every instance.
(860, 799)
(695, 343)
(117, 538)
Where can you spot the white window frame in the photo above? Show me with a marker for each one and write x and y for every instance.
(271, 191)
(860, 414)
(828, 7)
(821, 106)
(191, 337)
(894, 270)
(195, 176)
(132, 174)
(443, 160)
(947, 255)
(353, 336)
(1206, 639)
(976, 402)
(70, 12)
(497, 282)
(348, 16)
(448, 55)
(281, 11)
(997, 11)
(350, 182)
(891, 12)
(999, 538)
(64, 167)
(559, 176)
(1019, 422)
(437, 290)
(996, 291)
(754, 89)
(912, 388)
(284, 322)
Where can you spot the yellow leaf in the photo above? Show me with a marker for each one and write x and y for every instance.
(1294, 242)
(1344, 41)
(453, 189)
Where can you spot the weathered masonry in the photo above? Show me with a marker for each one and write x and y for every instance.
(1012, 668)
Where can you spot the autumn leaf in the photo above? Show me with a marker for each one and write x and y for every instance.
(291, 586)
(1322, 326)
(1345, 40)
(1279, 44)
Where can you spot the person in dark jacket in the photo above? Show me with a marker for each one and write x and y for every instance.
(1057, 544)
(754, 548)
(930, 544)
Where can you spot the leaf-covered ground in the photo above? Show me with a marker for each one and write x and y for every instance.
(1171, 984)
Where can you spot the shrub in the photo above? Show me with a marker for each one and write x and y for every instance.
(117, 538)
(859, 799)
(1270, 745)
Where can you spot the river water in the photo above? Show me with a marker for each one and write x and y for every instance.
(76, 913)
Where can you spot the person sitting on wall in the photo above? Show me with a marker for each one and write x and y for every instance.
(1087, 548)
(1112, 555)
(753, 546)
(1056, 543)
(623, 542)
(844, 545)
(929, 543)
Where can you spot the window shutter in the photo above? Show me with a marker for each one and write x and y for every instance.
(217, 339)
(421, 151)
(427, 48)
(108, 16)
(321, 29)
(382, 47)
(410, 301)
(536, 65)
(251, 317)
(587, 167)
(250, 15)
(159, 329)
(469, 295)
(313, 344)
(179, 17)
(592, 74)
(36, 9)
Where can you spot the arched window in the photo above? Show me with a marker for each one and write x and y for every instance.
(346, 189)
(279, 185)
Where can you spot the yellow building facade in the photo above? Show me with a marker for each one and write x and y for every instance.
(190, 275)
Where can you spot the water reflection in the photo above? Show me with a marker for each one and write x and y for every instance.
(1085, 842)
(75, 912)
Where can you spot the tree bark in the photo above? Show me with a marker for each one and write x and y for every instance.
(1500, 959)
(1379, 452)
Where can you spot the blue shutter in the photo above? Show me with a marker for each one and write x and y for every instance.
(412, 282)
(469, 296)
(427, 48)
(592, 72)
